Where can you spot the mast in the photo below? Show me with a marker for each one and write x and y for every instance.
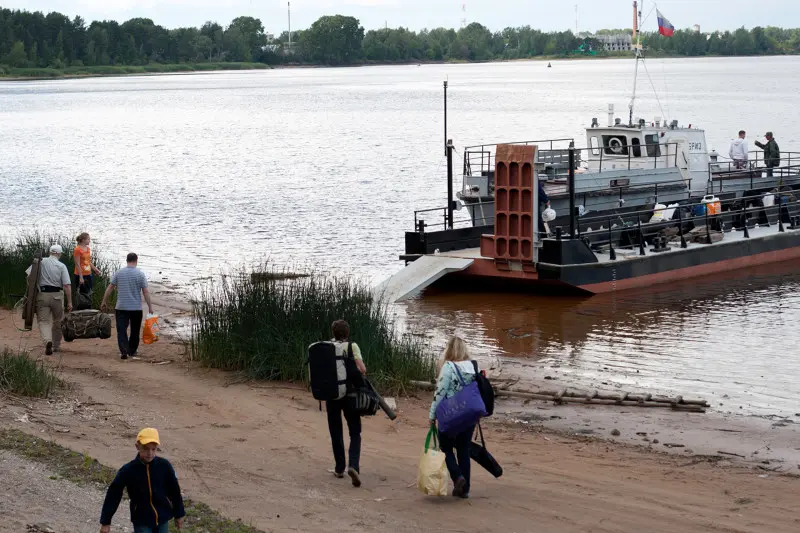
(637, 52)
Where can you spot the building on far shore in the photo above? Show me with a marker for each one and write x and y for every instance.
(618, 42)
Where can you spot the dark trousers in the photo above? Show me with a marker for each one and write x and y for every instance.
(769, 171)
(335, 410)
(88, 284)
(456, 454)
(128, 344)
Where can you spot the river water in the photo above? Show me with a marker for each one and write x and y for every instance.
(325, 167)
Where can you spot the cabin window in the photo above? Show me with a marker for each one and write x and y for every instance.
(615, 144)
(595, 143)
(653, 148)
(636, 148)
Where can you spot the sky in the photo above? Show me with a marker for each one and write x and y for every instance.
(548, 15)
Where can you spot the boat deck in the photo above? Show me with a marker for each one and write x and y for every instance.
(674, 247)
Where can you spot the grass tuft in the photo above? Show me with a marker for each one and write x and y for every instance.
(22, 375)
(262, 324)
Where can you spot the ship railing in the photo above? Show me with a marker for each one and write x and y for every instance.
(619, 188)
(757, 157)
(479, 159)
(422, 217)
(719, 173)
(636, 156)
(633, 229)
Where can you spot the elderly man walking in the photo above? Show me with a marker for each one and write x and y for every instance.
(54, 286)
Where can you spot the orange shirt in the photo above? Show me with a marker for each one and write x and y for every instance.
(83, 261)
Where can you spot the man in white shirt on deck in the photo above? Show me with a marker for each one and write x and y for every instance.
(738, 151)
(54, 286)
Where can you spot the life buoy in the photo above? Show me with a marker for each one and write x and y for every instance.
(616, 145)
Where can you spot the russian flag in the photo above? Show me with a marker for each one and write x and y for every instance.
(665, 27)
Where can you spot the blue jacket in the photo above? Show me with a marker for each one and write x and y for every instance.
(153, 489)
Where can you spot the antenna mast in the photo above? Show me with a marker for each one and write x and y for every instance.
(637, 52)
(289, 8)
(576, 20)
(464, 15)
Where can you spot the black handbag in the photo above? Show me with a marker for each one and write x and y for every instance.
(481, 455)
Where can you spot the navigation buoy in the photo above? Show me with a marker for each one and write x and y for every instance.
(549, 65)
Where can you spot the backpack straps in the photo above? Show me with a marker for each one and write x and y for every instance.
(350, 350)
(475, 366)
(458, 373)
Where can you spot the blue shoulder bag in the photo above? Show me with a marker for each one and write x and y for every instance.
(457, 413)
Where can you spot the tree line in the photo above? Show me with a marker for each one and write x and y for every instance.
(35, 40)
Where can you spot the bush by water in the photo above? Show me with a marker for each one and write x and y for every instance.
(262, 325)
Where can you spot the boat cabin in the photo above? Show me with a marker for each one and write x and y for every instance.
(648, 146)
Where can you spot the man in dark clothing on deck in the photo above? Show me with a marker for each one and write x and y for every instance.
(772, 154)
(543, 201)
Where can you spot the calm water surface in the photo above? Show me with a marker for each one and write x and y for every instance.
(325, 166)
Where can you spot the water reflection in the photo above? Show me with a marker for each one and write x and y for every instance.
(730, 334)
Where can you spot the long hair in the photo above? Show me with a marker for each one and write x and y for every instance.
(456, 351)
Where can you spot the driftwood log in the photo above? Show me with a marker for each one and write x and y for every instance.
(596, 398)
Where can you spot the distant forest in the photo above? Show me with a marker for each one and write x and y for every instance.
(35, 40)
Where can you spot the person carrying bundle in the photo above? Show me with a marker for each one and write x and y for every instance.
(336, 369)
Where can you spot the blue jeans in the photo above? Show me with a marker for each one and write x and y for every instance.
(457, 461)
(163, 528)
(128, 344)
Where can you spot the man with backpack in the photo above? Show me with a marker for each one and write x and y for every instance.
(336, 368)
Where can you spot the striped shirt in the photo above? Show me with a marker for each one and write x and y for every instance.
(129, 283)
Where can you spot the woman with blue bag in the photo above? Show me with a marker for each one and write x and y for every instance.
(457, 406)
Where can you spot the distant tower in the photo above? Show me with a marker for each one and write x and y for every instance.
(697, 28)
(576, 19)
(464, 15)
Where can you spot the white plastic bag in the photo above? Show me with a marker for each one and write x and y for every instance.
(432, 475)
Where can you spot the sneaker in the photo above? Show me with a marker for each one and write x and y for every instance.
(459, 486)
(48, 348)
(338, 475)
(354, 477)
(123, 356)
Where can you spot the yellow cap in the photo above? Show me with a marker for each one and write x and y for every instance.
(147, 435)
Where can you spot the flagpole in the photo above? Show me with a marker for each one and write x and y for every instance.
(637, 52)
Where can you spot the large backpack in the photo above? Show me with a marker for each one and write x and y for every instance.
(328, 370)
(486, 389)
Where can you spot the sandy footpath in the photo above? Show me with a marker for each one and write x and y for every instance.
(260, 452)
(34, 496)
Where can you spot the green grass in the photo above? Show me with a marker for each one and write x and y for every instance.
(82, 469)
(19, 374)
(263, 327)
(17, 254)
(119, 70)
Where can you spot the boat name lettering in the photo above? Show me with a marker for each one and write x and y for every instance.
(695, 147)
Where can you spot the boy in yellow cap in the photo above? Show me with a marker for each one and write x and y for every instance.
(152, 488)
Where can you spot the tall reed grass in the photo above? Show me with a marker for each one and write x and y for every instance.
(263, 325)
(17, 254)
(19, 374)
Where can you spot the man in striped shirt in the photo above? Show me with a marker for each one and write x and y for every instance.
(131, 285)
